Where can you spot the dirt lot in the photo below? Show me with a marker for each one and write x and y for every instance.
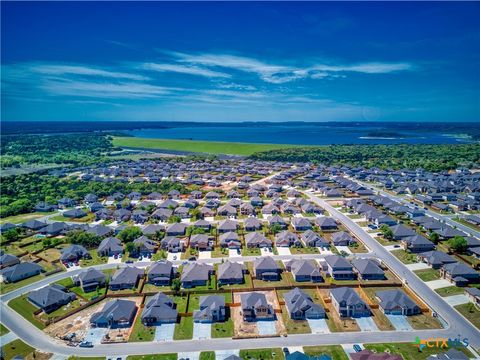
(249, 329)
(79, 323)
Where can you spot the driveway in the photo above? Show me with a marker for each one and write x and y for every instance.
(399, 322)
(204, 254)
(284, 251)
(223, 354)
(366, 324)
(455, 300)
(202, 331)
(164, 332)
(324, 251)
(265, 252)
(95, 335)
(391, 247)
(189, 355)
(112, 260)
(7, 338)
(266, 327)
(437, 284)
(417, 266)
(233, 253)
(170, 256)
(318, 326)
(344, 248)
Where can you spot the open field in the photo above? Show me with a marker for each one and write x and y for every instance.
(408, 351)
(211, 147)
(335, 351)
(450, 290)
(16, 347)
(470, 312)
(428, 274)
(24, 217)
(264, 354)
(26, 309)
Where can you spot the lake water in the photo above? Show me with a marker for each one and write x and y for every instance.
(304, 134)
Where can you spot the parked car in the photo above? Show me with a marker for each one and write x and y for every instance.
(357, 348)
(86, 344)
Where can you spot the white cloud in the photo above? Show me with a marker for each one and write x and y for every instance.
(183, 69)
(58, 69)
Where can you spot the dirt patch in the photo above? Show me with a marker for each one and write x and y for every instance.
(79, 324)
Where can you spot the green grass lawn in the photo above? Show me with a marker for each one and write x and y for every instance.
(23, 217)
(3, 330)
(262, 354)
(470, 312)
(86, 358)
(219, 252)
(181, 302)
(207, 355)
(16, 347)
(212, 147)
(26, 309)
(408, 350)
(141, 332)
(250, 251)
(4, 288)
(88, 218)
(428, 274)
(184, 329)
(65, 309)
(404, 256)
(295, 326)
(173, 356)
(95, 260)
(247, 284)
(304, 250)
(335, 351)
(450, 290)
(223, 330)
(422, 321)
(90, 295)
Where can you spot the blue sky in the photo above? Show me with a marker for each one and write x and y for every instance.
(339, 61)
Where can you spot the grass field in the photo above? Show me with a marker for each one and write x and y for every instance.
(408, 351)
(3, 330)
(428, 274)
(184, 329)
(14, 348)
(26, 309)
(24, 217)
(450, 290)
(141, 332)
(173, 356)
(470, 312)
(262, 354)
(211, 147)
(335, 351)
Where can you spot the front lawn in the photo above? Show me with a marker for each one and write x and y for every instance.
(173, 356)
(141, 332)
(422, 321)
(450, 290)
(407, 350)
(184, 329)
(251, 251)
(262, 354)
(303, 250)
(207, 355)
(4, 288)
(428, 274)
(334, 351)
(3, 330)
(470, 312)
(223, 329)
(405, 257)
(16, 348)
(294, 326)
(247, 284)
(26, 309)
(95, 259)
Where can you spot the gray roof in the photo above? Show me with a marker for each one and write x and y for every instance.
(110, 244)
(253, 300)
(160, 267)
(195, 271)
(73, 251)
(390, 299)
(336, 261)
(16, 270)
(126, 275)
(367, 266)
(301, 267)
(230, 270)
(297, 300)
(116, 310)
(346, 294)
(91, 274)
(50, 295)
(265, 263)
(401, 230)
(459, 269)
(160, 307)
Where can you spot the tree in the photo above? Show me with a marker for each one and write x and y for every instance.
(174, 219)
(434, 237)
(386, 232)
(176, 284)
(129, 234)
(458, 244)
(10, 235)
(83, 238)
(47, 243)
(130, 247)
(275, 228)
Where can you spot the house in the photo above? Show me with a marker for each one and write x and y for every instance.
(65, 203)
(448, 232)
(144, 246)
(417, 244)
(159, 309)
(231, 273)
(312, 239)
(301, 224)
(342, 238)
(110, 247)
(230, 240)
(101, 230)
(265, 268)
(436, 259)
(227, 225)
(202, 224)
(400, 232)
(304, 270)
(121, 215)
(125, 278)
(300, 306)
(51, 297)
(451, 354)
(339, 268)
(297, 355)
(195, 274)
(20, 271)
(459, 273)
(257, 240)
(278, 221)
(176, 229)
(44, 207)
(368, 269)
(247, 209)
(369, 355)
(74, 253)
(153, 229)
(7, 260)
(286, 238)
(33, 225)
(201, 242)
(115, 313)
(473, 295)
(227, 210)
(172, 244)
(348, 303)
(212, 309)
(90, 279)
(160, 273)
(6, 227)
(255, 307)
(74, 213)
(162, 214)
(326, 223)
(252, 224)
(396, 302)
(55, 229)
